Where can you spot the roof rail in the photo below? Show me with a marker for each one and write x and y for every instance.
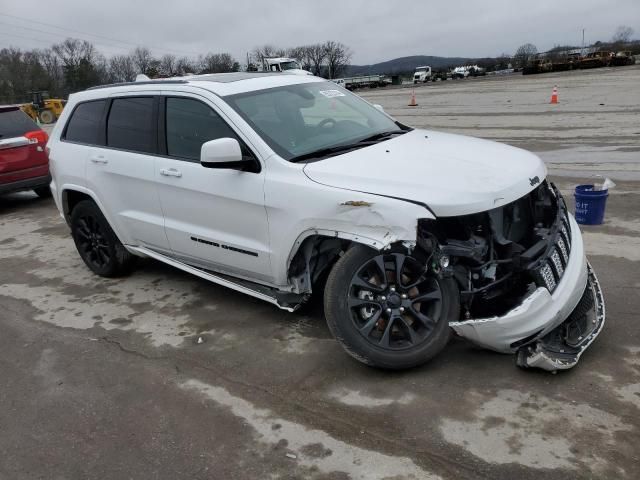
(150, 82)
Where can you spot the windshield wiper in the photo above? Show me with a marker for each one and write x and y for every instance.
(383, 135)
(327, 152)
(365, 142)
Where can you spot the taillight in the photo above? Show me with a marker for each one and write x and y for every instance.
(37, 136)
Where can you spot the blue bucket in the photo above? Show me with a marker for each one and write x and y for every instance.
(590, 205)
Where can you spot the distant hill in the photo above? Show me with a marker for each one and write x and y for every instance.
(406, 65)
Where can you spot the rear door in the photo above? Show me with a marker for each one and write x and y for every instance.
(214, 218)
(22, 143)
(121, 170)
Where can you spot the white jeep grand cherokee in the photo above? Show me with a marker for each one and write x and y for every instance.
(281, 186)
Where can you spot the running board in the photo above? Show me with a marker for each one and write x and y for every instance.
(249, 288)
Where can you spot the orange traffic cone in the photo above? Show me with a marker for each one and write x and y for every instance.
(554, 94)
(413, 102)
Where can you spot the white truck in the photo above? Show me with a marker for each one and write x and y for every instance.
(422, 74)
(283, 64)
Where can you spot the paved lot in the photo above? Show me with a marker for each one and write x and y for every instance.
(103, 378)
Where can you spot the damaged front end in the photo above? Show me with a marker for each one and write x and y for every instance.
(525, 285)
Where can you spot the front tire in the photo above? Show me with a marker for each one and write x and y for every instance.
(386, 310)
(97, 243)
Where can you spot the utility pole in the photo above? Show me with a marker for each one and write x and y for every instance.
(582, 51)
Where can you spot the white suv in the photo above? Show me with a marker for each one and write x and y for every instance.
(281, 186)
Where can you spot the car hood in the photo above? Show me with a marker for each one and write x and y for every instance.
(451, 174)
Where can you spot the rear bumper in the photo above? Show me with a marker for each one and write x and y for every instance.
(541, 312)
(26, 184)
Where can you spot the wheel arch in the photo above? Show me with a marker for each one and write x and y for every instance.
(316, 251)
(71, 195)
(391, 221)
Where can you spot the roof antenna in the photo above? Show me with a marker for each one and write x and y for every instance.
(141, 77)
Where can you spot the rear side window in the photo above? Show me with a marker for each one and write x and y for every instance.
(15, 123)
(84, 124)
(189, 124)
(130, 125)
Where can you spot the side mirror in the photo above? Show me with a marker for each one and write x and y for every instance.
(379, 107)
(221, 153)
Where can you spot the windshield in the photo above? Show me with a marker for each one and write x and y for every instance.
(421, 69)
(289, 66)
(296, 120)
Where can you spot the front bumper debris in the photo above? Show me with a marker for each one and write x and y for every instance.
(561, 348)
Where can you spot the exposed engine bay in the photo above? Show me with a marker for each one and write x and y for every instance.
(500, 256)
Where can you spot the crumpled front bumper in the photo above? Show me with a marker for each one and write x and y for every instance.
(528, 329)
(561, 348)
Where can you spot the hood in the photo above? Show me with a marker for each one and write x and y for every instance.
(451, 174)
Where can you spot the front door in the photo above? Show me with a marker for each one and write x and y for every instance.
(214, 218)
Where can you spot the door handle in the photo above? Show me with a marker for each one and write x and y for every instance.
(99, 159)
(170, 172)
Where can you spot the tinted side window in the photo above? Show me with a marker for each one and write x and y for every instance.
(84, 124)
(189, 124)
(130, 124)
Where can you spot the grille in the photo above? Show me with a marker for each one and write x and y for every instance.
(553, 267)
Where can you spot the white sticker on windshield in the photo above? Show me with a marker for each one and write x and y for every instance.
(332, 93)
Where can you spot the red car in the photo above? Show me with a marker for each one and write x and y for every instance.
(24, 164)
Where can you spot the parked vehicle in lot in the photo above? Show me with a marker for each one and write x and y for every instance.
(282, 64)
(596, 59)
(422, 74)
(23, 161)
(622, 58)
(538, 65)
(460, 72)
(284, 186)
(42, 108)
(363, 81)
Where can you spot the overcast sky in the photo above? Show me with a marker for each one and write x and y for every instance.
(375, 30)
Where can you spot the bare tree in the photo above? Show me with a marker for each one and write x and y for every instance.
(303, 55)
(78, 58)
(53, 68)
(217, 63)
(122, 69)
(185, 65)
(168, 65)
(623, 35)
(524, 54)
(73, 51)
(265, 51)
(316, 55)
(143, 60)
(338, 57)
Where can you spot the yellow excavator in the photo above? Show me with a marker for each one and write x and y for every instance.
(43, 108)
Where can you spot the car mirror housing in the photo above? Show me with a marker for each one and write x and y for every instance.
(221, 153)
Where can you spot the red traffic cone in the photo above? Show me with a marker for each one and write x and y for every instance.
(554, 95)
(413, 102)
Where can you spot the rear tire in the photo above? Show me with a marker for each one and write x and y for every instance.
(389, 324)
(43, 192)
(97, 243)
